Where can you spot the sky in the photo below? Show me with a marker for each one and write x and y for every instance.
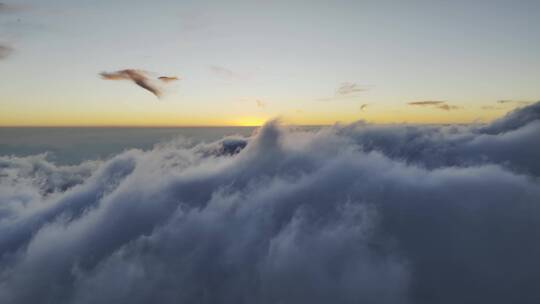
(245, 62)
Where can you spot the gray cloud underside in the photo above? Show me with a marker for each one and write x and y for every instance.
(347, 214)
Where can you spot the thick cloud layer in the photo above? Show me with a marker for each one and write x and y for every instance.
(511, 142)
(349, 214)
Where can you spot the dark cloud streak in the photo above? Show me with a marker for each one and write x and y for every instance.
(447, 107)
(510, 101)
(168, 78)
(348, 88)
(440, 104)
(140, 78)
(426, 103)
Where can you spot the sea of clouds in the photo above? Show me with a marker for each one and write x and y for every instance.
(357, 213)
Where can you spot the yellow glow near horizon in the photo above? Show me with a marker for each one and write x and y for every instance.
(170, 113)
(172, 119)
(249, 121)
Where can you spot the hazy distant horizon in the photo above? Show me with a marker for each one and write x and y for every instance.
(71, 145)
(74, 144)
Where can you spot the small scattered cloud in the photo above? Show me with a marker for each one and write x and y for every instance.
(168, 78)
(426, 103)
(448, 107)
(14, 26)
(259, 103)
(511, 101)
(225, 73)
(349, 88)
(440, 104)
(140, 78)
(5, 51)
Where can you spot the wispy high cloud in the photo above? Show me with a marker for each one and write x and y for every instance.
(140, 78)
(7, 8)
(448, 107)
(225, 73)
(5, 51)
(511, 101)
(12, 8)
(426, 103)
(440, 104)
(349, 88)
(260, 103)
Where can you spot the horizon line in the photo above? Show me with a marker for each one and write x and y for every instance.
(233, 126)
(153, 126)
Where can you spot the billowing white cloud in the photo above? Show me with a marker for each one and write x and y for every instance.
(348, 214)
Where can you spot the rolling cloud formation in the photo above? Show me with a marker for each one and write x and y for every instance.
(355, 213)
